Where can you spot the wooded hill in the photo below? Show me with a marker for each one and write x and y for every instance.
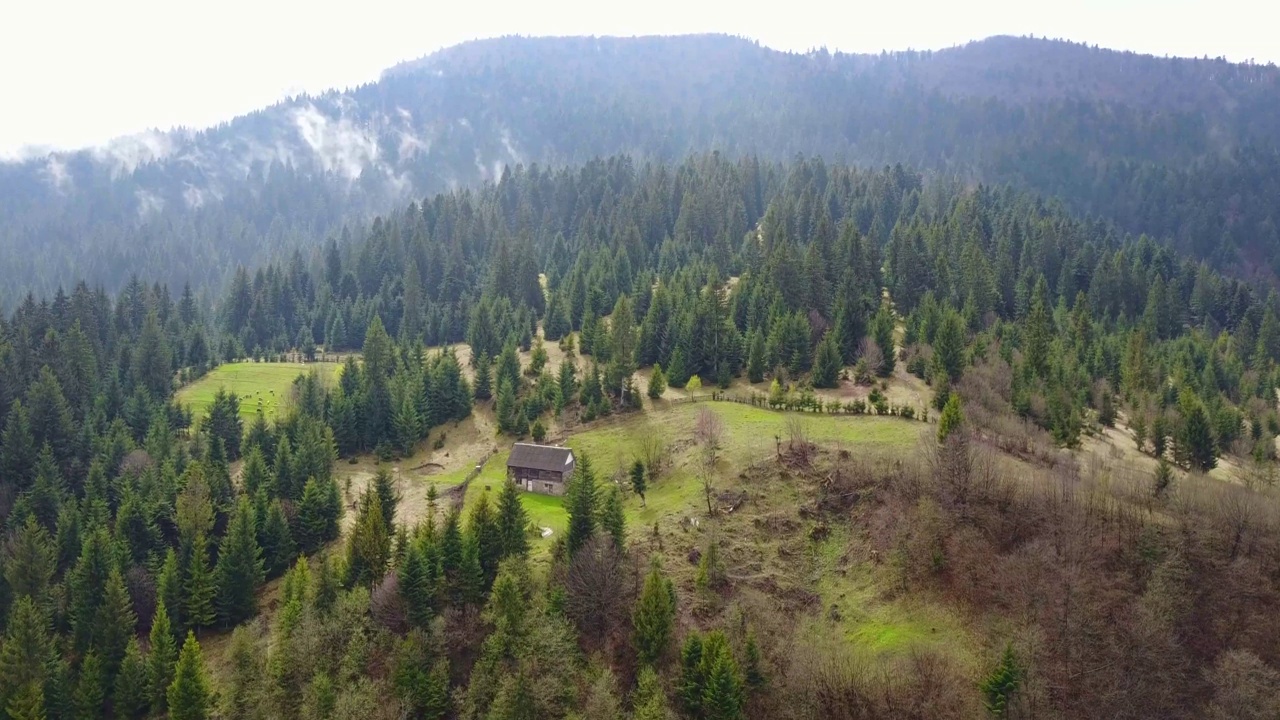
(1181, 149)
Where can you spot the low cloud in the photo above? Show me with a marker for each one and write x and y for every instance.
(340, 145)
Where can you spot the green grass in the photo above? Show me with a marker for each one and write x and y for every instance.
(262, 386)
(748, 438)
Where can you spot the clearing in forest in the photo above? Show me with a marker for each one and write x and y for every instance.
(261, 386)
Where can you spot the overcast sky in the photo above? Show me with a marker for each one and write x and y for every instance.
(79, 73)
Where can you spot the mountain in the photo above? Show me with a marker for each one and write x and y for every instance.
(1179, 148)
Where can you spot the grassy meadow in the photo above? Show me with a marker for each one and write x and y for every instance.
(261, 386)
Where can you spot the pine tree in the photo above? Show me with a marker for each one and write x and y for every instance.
(488, 538)
(654, 617)
(882, 326)
(113, 625)
(951, 419)
(132, 696)
(1038, 330)
(240, 568)
(998, 687)
(512, 522)
(722, 696)
(169, 589)
(313, 514)
(948, 346)
(505, 407)
(612, 519)
(657, 383)
(369, 545)
(188, 694)
(17, 449)
(483, 376)
(27, 703)
(90, 694)
(638, 478)
(827, 363)
(27, 655)
(581, 505)
(1195, 438)
(649, 701)
(30, 559)
(692, 682)
(278, 551)
(756, 357)
(198, 587)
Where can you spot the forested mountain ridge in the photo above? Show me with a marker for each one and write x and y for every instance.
(1178, 148)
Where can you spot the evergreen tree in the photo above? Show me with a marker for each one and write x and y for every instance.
(692, 682)
(722, 697)
(948, 346)
(369, 545)
(17, 449)
(755, 357)
(998, 687)
(882, 327)
(188, 694)
(483, 376)
(313, 518)
(90, 694)
(653, 617)
(753, 673)
(113, 625)
(27, 703)
(512, 522)
(1038, 330)
(649, 700)
(827, 363)
(222, 422)
(27, 656)
(240, 568)
(198, 588)
(1195, 438)
(278, 551)
(951, 419)
(566, 383)
(30, 560)
(657, 383)
(612, 519)
(132, 696)
(581, 505)
(638, 478)
(488, 537)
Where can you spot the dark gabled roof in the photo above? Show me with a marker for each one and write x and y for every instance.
(540, 457)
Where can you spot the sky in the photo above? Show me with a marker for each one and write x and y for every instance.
(76, 74)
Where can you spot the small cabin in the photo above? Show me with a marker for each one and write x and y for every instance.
(542, 469)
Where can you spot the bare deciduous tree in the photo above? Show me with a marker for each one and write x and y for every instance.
(652, 451)
(709, 432)
(597, 592)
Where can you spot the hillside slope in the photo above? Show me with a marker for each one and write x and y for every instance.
(1173, 147)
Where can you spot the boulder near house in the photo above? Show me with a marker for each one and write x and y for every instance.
(542, 469)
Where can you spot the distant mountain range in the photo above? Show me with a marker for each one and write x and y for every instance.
(1179, 148)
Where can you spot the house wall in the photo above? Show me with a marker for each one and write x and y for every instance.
(540, 481)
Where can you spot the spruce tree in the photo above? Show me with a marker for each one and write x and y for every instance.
(278, 551)
(240, 568)
(169, 591)
(161, 659)
(483, 376)
(132, 695)
(827, 363)
(657, 383)
(1195, 438)
(17, 448)
(612, 519)
(722, 695)
(198, 587)
(27, 654)
(882, 327)
(998, 687)
(948, 346)
(369, 545)
(188, 694)
(756, 362)
(30, 559)
(649, 701)
(27, 703)
(1038, 330)
(312, 520)
(581, 505)
(512, 522)
(653, 618)
(90, 693)
(488, 538)
(951, 419)
(692, 682)
(113, 625)
(638, 478)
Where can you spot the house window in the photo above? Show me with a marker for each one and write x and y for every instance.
(547, 487)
